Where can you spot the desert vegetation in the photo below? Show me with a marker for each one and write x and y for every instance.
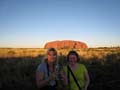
(18, 66)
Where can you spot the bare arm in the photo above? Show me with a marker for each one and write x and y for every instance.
(40, 79)
(87, 81)
(64, 77)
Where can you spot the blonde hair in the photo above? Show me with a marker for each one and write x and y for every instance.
(52, 49)
(45, 59)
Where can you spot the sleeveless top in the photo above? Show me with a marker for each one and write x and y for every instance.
(43, 68)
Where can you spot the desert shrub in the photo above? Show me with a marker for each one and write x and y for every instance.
(17, 73)
(103, 65)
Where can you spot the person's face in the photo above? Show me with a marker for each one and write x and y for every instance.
(72, 59)
(51, 56)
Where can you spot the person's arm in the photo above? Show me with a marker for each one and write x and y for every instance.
(87, 81)
(64, 77)
(40, 79)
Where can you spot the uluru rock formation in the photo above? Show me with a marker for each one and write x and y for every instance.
(65, 44)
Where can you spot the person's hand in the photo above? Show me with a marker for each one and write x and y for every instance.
(52, 76)
(62, 75)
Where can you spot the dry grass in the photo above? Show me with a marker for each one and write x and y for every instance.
(18, 66)
(100, 53)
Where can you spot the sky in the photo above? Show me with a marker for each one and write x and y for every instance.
(32, 23)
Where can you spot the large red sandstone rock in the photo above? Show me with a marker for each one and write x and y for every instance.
(65, 44)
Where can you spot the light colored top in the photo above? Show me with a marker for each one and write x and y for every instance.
(43, 68)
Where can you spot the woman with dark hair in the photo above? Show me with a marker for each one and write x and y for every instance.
(46, 72)
(79, 70)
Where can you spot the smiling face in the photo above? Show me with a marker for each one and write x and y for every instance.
(52, 56)
(72, 59)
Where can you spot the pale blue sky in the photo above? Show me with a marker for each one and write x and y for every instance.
(32, 23)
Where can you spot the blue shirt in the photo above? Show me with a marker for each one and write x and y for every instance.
(43, 68)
